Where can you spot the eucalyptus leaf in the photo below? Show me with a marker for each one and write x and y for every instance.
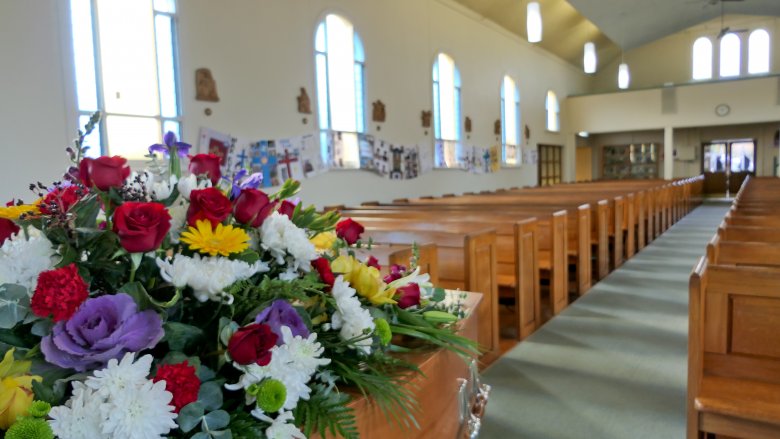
(180, 335)
(190, 416)
(210, 395)
(215, 420)
(205, 374)
(201, 435)
(226, 329)
(14, 305)
(222, 434)
(42, 328)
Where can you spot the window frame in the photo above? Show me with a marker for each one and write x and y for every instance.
(518, 123)
(556, 111)
(737, 54)
(751, 51)
(709, 54)
(457, 88)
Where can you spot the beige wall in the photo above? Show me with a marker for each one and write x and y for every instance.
(260, 53)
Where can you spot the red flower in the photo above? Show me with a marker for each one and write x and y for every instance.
(349, 230)
(59, 293)
(181, 381)
(62, 197)
(141, 226)
(209, 204)
(206, 164)
(103, 172)
(323, 268)
(252, 207)
(252, 344)
(396, 272)
(410, 296)
(7, 229)
(373, 262)
(287, 208)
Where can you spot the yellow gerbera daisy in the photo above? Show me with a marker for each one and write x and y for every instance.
(14, 212)
(224, 240)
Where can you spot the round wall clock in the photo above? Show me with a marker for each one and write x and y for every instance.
(722, 110)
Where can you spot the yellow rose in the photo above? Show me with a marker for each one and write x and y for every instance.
(14, 212)
(16, 393)
(366, 280)
(324, 241)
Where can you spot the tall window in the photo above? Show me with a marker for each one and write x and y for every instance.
(510, 121)
(340, 67)
(125, 62)
(553, 110)
(446, 110)
(729, 55)
(702, 58)
(758, 51)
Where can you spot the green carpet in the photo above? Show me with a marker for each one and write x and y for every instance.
(614, 363)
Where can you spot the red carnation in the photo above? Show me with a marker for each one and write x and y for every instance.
(349, 230)
(61, 199)
(7, 229)
(323, 268)
(209, 204)
(59, 293)
(181, 380)
(252, 344)
(206, 164)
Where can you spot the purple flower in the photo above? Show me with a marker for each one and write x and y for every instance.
(239, 182)
(396, 272)
(170, 143)
(103, 328)
(279, 314)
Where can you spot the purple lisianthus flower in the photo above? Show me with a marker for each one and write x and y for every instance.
(396, 272)
(170, 142)
(279, 314)
(103, 328)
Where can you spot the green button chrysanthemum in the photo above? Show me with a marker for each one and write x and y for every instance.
(382, 330)
(271, 395)
(29, 428)
(39, 409)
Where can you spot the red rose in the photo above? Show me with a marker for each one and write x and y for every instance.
(181, 380)
(59, 293)
(141, 226)
(410, 296)
(103, 172)
(252, 344)
(287, 208)
(252, 207)
(209, 204)
(7, 229)
(206, 164)
(323, 268)
(60, 199)
(373, 262)
(349, 230)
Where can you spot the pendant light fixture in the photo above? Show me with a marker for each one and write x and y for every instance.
(534, 22)
(589, 58)
(624, 77)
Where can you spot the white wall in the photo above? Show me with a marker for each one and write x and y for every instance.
(260, 53)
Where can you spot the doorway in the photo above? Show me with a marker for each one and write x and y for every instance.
(550, 164)
(726, 163)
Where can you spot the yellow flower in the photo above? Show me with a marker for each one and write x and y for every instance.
(367, 281)
(324, 241)
(224, 240)
(16, 393)
(14, 212)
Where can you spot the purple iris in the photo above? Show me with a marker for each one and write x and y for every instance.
(103, 328)
(279, 314)
(170, 141)
(239, 182)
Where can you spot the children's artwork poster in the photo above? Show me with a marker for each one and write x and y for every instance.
(298, 157)
(530, 156)
(513, 155)
(343, 150)
(219, 144)
(381, 157)
(447, 155)
(366, 151)
(411, 161)
(263, 158)
(495, 158)
(425, 157)
(311, 155)
(477, 160)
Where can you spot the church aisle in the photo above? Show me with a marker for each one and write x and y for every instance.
(614, 364)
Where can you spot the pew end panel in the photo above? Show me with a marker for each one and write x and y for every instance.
(528, 310)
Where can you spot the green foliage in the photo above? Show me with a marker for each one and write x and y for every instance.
(245, 426)
(14, 305)
(326, 411)
(250, 298)
(288, 189)
(308, 218)
(181, 336)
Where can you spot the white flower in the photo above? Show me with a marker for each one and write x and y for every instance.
(351, 318)
(80, 417)
(280, 429)
(22, 260)
(280, 236)
(301, 354)
(161, 190)
(423, 280)
(178, 212)
(207, 276)
(189, 183)
(118, 402)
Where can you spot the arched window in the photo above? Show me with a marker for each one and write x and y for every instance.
(758, 51)
(125, 67)
(729, 55)
(510, 121)
(553, 110)
(702, 58)
(446, 110)
(340, 65)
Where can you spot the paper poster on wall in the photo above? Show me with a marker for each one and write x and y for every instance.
(412, 162)
(495, 158)
(343, 150)
(477, 160)
(366, 151)
(288, 160)
(530, 156)
(263, 158)
(311, 157)
(381, 159)
(220, 144)
(448, 155)
(425, 156)
(513, 157)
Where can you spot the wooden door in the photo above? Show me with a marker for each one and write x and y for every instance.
(550, 165)
(726, 164)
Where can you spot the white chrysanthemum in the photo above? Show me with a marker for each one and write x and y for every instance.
(280, 236)
(280, 428)
(351, 318)
(80, 417)
(209, 276)
(289, 275)
(22, 260)
(120, 375)
(302, 354)
(139, 412)
(189, 183)
(178, 212)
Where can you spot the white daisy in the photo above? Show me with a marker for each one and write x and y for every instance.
(22, 259)
(350, 317)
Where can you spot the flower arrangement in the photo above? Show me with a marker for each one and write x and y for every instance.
(163, 304)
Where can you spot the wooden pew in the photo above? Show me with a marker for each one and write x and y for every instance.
(734, 354)
(389, 255)
(758, 254)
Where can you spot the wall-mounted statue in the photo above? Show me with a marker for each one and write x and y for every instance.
(467, 124)
(205, 86)
(378, 113)
(497, 127)
(304, 103)
(426, 119)
(527, 133)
